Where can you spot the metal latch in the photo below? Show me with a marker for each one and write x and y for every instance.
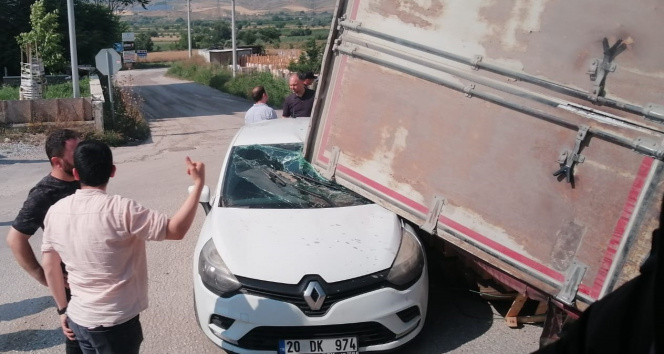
(600, 68)
(573, 278)
(332, 164)
(476, 62)
(567, 158)
(431, 224)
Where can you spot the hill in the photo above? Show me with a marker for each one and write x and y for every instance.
(205, 8)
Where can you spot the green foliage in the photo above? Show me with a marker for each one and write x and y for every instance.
(276, 88)
(128, 125)
(66, 90)
(96, 28)
(269, 35)
(144, 42)
(14, 19)
(44, 38)
(221, 79)
(8, 93)
(310, 59)
(182, 43)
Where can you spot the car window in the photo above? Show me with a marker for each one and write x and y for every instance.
(278, 177)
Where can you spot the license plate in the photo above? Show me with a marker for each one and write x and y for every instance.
(317, 346)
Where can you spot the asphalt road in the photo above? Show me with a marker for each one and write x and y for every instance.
(188, 119)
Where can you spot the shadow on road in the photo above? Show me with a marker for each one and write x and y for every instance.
(455, 315)
(14, 310)
(31, 339)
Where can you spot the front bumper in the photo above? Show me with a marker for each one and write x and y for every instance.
(254, 324)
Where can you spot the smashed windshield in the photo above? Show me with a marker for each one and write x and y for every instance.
(278, 177)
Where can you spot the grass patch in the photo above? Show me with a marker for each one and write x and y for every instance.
(220, 78)
(64, 90)
(127, 127)
(8, 93)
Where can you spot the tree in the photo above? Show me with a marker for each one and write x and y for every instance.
(44, 38)
(14, 19)
(310, 59)
(269, 35)
(96, 28)
(144, 42)
(183, 42)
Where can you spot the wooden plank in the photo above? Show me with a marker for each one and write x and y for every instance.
(514, 310)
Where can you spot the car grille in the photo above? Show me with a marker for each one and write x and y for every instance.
(267, 338)
(335, 292)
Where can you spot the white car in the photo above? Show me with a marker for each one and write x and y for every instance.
(288, 262)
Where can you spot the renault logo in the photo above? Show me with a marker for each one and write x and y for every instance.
(314, 296)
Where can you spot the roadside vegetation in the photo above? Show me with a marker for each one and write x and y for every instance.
(64, 90)
(127, 127)
(221, 78)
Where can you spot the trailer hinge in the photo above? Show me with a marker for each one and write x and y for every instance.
(599, 69)
(351, 24)
(332, 164)
(431, 223)
(476, 62)
(573, 278)
(654, 112)
(567, 158)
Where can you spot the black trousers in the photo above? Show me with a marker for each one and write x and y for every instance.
(125, 338)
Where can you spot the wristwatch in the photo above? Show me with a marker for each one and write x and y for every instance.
(62, 311)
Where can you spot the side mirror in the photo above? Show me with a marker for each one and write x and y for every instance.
(204, 200)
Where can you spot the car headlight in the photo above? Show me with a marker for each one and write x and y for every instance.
(409, 263)
(213, 271)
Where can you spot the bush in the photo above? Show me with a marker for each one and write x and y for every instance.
(129, 124)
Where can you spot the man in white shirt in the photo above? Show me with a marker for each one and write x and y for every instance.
(101, 238)
(260, 110)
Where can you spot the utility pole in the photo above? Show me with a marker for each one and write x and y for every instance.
(72, 48)
(189, 25)
(233, 35)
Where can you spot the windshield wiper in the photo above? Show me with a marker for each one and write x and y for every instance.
(283, 182)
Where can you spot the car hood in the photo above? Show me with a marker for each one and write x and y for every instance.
(283, 245)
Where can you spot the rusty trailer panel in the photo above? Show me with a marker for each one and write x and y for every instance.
(456, 114)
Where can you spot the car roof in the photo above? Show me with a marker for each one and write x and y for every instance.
(273, 131)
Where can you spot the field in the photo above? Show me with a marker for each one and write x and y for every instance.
(172, 55)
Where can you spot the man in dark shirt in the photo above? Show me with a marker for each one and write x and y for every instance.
(300, 102)
(60, 146)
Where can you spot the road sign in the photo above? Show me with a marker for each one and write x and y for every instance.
(108, 60)
(142, 53)
(127, 36)
(117, 47)
(129, 56)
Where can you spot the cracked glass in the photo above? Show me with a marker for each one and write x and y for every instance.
(278, 177)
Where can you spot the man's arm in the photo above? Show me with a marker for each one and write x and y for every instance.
(56, 283)
(54, 277)
(180, 223)
(18, 242)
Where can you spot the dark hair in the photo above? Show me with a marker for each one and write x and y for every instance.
(257, 93)
(55, 143)
(93, 161)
